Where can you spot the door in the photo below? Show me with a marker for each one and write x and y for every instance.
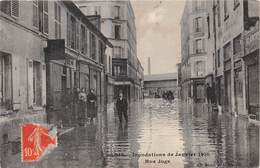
(253, 90)
(228, 91)
(239, 92)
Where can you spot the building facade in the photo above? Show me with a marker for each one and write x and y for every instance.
(156, 85)
(118, 25)
(48, 49)
(233, 45)
(196, 64)
(76, 59)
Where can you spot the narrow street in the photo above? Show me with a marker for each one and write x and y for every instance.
(189, 136)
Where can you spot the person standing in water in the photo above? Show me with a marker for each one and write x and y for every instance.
(121, 106)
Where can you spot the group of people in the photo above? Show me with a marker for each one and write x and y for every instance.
(87, 107)
(168, 95)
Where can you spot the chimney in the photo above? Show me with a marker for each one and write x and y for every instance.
(149, 66)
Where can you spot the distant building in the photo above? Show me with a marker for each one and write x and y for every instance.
(159, 83)
(196, 65)
(230, 31)
(118, 25)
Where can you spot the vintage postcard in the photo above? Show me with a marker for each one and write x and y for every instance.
(129, 83)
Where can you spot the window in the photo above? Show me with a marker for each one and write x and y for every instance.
(227, 51)
(198, 24)
(40, 16)
(57, 20)
(117, 12)
(93, 46)
(218, 58)
(117, 70)
(117, 52)
(218, 12)
(225, 10)
(199, 68)
(117, 31)
(73, 32)
(37, 90)
(5, 83)
(10, 7)
(198, 46)
(237, 44)
(83, 39)
(101, 52)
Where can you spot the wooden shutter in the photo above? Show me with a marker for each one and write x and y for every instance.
(16, 83)
(77, 35)
(194, 47)
(15, 8)
(30, 83)
(86, 41)
(43, 67)
(45, 17)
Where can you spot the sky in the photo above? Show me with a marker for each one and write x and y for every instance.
(158, 33)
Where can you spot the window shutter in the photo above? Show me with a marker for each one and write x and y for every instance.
(43, 84)
(16, 85)
(35, 14)
(194, 46)
(15, 8)
(45, 17)
(68, 30)
(30, 83)
(77, 35)
(203, 45)
(86, 41)
(194, 25)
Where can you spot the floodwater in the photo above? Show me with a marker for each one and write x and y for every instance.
(158, 134)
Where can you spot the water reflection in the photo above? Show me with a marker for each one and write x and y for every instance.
(193, 134)
(229, 141)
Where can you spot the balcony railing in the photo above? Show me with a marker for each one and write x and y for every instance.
(252, 39)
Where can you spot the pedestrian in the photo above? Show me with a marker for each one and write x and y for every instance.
(121, 106)
(208, 93)
(91, 104)
(82, 105)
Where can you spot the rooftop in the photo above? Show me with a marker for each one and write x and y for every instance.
(160, 77)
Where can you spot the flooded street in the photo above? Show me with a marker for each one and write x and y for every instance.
(158, 134)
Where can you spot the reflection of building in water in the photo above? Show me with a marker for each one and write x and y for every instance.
(229, 141)
(155, 85)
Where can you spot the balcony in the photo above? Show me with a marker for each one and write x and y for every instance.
(252, 39)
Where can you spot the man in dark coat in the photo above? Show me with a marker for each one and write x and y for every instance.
(121, 106)
(208, 93)
(91, 99)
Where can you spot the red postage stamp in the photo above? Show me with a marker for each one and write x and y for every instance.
(35, 140)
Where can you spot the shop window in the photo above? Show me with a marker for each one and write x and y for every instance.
(5, 83)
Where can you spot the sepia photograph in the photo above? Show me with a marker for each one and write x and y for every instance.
(129, 83)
